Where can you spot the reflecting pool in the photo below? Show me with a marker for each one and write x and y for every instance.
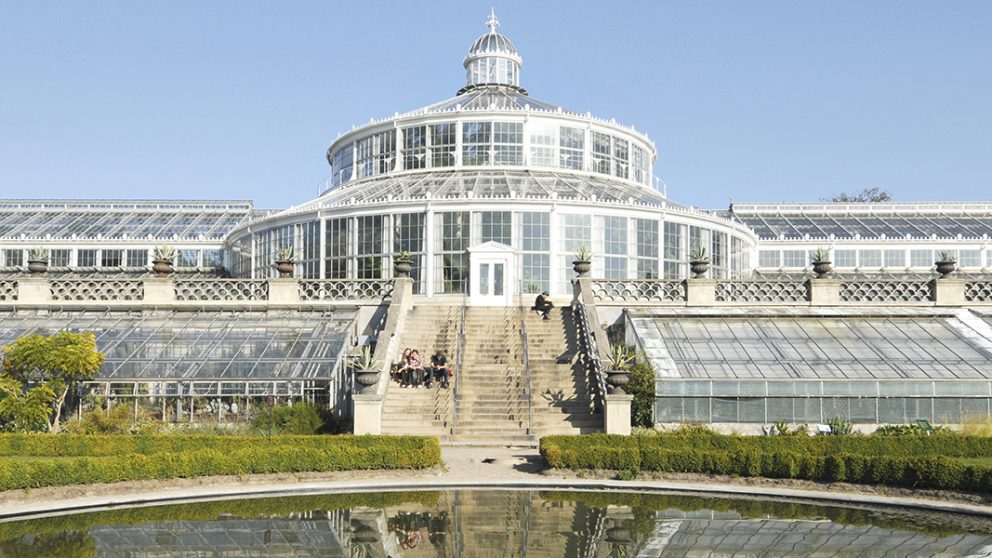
(498, 523)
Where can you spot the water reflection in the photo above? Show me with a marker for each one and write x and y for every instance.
(481, 523)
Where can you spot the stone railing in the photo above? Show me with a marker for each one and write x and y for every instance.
(97, 289)
(346, 289)
(8, 290)
(978, 291)
(165, 292)
(638, 290)
(221, 289)
(876, 291)
(763, 292)
(811, 292)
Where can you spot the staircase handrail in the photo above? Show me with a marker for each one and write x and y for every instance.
(524, 345)
(460, 348)
(590, 352)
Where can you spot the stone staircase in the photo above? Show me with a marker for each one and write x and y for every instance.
(492, 402)
(504, 524)
(424, 412)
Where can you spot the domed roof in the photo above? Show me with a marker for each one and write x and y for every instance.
(492, 43)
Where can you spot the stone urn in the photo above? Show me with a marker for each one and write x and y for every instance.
(366, 379)
(821, 269)
(582, 267)
(617, 379)
(162, 267)
(619, 534)
(946, 267)
(402, 268)
(37, 266)
(364, 534)
(699, 268)
(285, 268)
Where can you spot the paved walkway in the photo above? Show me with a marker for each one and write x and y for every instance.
(465, 466)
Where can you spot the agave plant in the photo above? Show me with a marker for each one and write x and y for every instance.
(698, 254)
(620, 357)
(583, 254)
(285, 254)
(820, 255)
(946, 256)
(38, 255)
(363, 361)
(165, 253)
(403, 256)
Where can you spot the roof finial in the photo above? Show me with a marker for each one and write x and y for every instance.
(492, 22)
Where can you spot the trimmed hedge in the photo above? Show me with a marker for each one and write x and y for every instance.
(232, 456)
(64, 445)
(858, 459)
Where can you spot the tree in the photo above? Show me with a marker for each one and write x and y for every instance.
(868, 195)
(57, 363)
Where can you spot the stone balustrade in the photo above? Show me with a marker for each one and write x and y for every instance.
(159, 292)
(811, 292)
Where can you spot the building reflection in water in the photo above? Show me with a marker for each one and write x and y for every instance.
(498, 523)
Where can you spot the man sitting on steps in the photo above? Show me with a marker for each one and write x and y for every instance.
(544, 305)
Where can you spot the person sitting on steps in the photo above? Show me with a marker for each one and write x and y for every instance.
(416, 367)
(439, 369)
(398, 370)
(544, 305)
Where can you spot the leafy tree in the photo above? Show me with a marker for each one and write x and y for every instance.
(641, 386)
(868, 195)
(24, 410)
(57, 363)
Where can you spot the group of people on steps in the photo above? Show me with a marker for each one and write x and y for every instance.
(411, 371)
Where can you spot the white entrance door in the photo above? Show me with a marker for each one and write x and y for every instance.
(491, 277)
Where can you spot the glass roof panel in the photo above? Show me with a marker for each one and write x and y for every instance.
(200, 345)
(818, 347)
(771, 225)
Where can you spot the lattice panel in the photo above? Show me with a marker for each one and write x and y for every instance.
(978, 291)
(346, 289)
(885, 291)
(761, 291)
(638, 291)
(222, 289)
(97, 289)
(8, 290)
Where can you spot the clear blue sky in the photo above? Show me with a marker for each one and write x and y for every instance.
(750, 101)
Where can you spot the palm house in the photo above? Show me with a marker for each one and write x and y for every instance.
(436, 230)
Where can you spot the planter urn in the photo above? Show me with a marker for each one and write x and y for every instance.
(946, 267)
(366, 379)
(403, 268)
(162, 267)
(582, 267)
(821, 269)
(699, 268)
(285, 268)
(37, 266)
(617, 379)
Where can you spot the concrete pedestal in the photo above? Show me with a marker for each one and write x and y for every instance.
(367, 411)
(617, 414)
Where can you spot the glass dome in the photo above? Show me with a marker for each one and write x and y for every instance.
(492, 59)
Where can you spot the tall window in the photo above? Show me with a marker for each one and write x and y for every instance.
(614, 246)
(85, 258)
(187, 258)
(675, 256)
(336, 249)
(576, 232)
(60, 257)
(647, 249)
(415, 148)
(508, 140)
(451, 259)
(368, 264)
(308, 251)
(408, 236)
(601, 153)
(639, 164)
(476, 143)
(542, 145)
(342, 164)
(111, 258)
(443, 138)
(13, 257)
(621, 166)
(535, 236)
(139, 258)
(571, 148)
(376, 153)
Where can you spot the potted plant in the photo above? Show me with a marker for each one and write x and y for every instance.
(617, 375)
(946, 262)
(163, 257)
(366, 369)
(403, 264)
(820, 258)
(699, 262)
(583, 261)
(284, 261)
(38, 260)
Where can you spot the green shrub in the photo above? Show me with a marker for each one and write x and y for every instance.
(299, 418)
(251, 455)
(119, 420)
(641, 386)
